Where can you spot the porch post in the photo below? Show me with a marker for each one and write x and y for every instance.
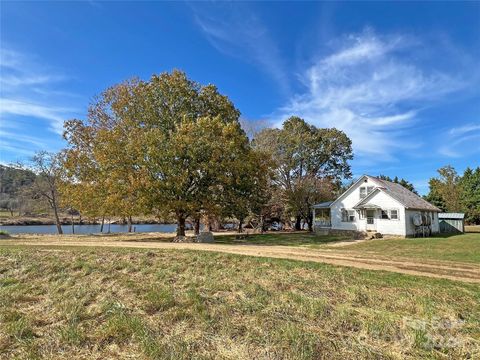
(313, 219)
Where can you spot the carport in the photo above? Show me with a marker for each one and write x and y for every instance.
(452, 222)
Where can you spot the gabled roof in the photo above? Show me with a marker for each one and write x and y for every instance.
(395, 191)
(404, 196)
(351, 187)
(363, 202)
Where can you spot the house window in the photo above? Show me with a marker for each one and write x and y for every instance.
(394, 214)
(348, 215)
(351, 215)
(365, 190)
(385, 214)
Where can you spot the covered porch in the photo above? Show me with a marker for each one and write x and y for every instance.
(371, 213)
(322, 215)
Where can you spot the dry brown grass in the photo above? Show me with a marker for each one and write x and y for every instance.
(157, 304)
(472, 228)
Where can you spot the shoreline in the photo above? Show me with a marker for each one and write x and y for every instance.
(66, 221)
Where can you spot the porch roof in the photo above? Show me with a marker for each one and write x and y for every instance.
(367, 206)
(324, 205)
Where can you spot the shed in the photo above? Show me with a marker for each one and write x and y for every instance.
(452, 222)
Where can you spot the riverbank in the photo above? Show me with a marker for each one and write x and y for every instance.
(65, 220)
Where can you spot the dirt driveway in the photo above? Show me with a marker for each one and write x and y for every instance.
(437, 269)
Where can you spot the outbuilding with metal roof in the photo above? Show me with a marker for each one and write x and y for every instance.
(452, 222)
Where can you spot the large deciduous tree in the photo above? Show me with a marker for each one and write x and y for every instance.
(165, 146)
(445, 190)
(308, 160)
(102, 159)
(452, 192)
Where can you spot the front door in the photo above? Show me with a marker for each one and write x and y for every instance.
(370, 219)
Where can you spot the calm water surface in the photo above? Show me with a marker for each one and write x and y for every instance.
(87, 229)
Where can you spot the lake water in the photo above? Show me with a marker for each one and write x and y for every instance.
(87, 229)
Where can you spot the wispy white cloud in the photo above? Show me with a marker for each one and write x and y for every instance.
(465, 129)
(8, 136)
(29, 89)
(367, 88)
(239, 32)
(55, 115)
(462, 141)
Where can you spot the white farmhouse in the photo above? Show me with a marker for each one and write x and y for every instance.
(376, 205)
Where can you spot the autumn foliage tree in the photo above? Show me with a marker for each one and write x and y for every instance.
(308, 161)
(164, 146)
(453, 192)
(102, 159)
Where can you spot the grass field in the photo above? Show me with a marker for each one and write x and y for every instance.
(83, 303)
(279, 238)
(464, 247)
(472, 228)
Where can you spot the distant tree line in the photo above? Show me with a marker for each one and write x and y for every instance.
(16, 191)
(452, 192)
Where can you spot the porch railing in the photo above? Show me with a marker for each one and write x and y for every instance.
(323, 223)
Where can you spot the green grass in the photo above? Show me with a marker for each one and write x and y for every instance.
(464, 247)
(82, 303)
(284, 239)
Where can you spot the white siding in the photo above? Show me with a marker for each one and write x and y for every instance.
(409, 223)
(388, 226)
(350, 199)
(403, 226)
(392, 227)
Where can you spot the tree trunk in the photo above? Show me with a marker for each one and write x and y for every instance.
(180, 225)
(109, 223)
(310, 222)
(57, 221)
(240, 226)
(298, 223)
(103, 222)
(129, 222)
(197, 226)
(73, 226)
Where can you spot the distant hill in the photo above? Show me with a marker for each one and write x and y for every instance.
(12, 179)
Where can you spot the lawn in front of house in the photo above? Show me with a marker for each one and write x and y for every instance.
(463, 247)
(82, 303)
(301, 238)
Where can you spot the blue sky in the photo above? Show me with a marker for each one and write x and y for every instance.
(401, 79)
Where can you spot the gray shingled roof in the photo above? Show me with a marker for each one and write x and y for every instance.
(404, 196)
